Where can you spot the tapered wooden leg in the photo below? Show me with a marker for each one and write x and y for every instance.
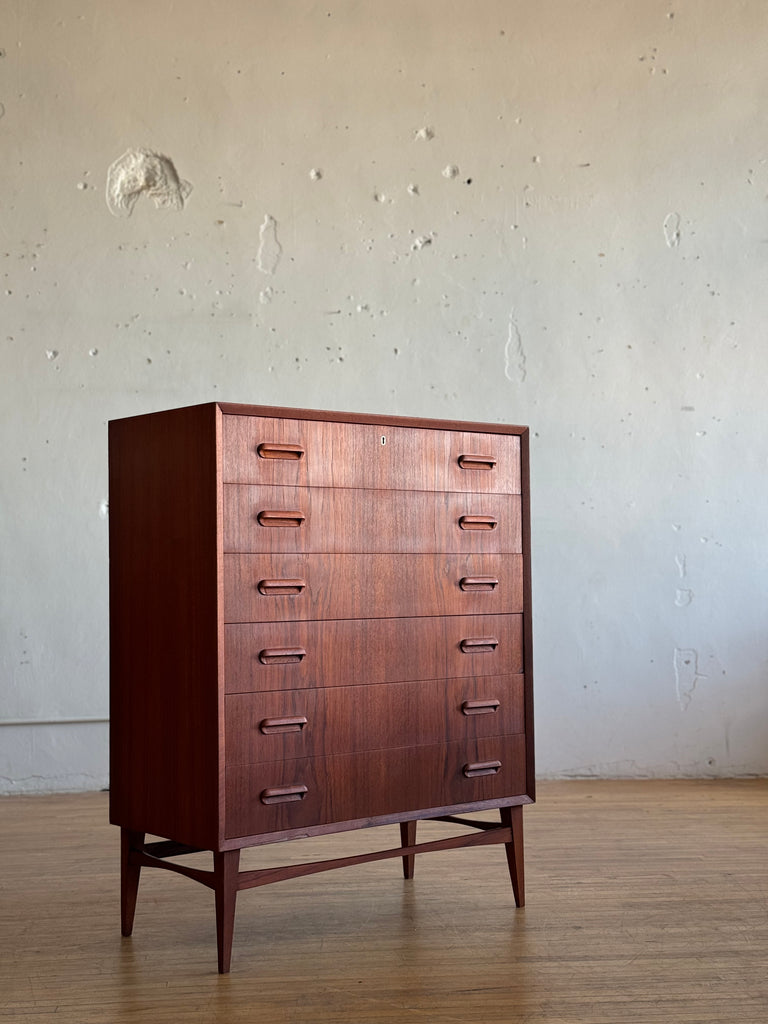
(129, 878)
(225, 870)
(512, 817)
(408, 838)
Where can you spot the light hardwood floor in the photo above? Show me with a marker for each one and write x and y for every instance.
(647, 902)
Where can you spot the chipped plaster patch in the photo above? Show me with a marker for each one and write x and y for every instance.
(421, 242)
(140, 171)
(270, 249)
(515, 368)
(672, 230)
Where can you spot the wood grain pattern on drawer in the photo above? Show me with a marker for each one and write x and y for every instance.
(263, 519)
(328, 454)
(262, 588)
(276, 796)
(345, 719)
(346, 652)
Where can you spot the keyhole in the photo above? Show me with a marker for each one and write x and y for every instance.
(383, 439)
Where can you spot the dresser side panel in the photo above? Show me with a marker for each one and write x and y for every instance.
(165, 580)
(525, 511)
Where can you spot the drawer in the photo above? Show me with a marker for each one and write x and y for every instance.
(261, 450)
(279, 796)
(318, 519)
(345, 652)
(262, 588)
(346, 719)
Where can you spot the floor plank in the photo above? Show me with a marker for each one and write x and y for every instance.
(647, 902)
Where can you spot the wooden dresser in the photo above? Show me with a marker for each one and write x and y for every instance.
(319, 622)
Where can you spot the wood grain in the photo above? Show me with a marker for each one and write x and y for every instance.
(164, 509)
(345, 787)
(349, 586)
(350, 454)
(344, 520)
(647, 904)
(349, 719)
(346, 652)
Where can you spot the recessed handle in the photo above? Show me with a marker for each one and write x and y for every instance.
(283, 794)
(478, 523)
(478, 644)
(282, 655)
(477, 462)
(276, 588)
(268, 517)
(474, 771)
(475, 583)
(480, 707)
(271, 450)
(272, 725)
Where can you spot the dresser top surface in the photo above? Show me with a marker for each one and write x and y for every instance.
(385, 419)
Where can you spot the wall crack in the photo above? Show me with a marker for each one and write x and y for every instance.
(687, 675)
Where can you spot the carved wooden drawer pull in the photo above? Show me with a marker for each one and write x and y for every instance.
(268, 726)
(480, 707)
(473, 771)
(282, 655)
(478, 583)
(283, 794)
(478, 523)
(477, 462)
(268, 517)
(271, 450)
(276, 588)
(479, 645)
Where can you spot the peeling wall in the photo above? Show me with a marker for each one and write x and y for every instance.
(549, 213)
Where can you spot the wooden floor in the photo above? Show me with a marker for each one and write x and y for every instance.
(647, 902)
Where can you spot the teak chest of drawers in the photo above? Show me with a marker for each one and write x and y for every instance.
(319, 622)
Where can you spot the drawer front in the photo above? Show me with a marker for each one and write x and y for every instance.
(345, 652)
(349, 651)
(278, 796)
(261, 450)
(345, 719)
(268, 588)
(295, 519)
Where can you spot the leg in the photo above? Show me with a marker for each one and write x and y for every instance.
(408, 838)
(225, 870)
(129, 877)
(512, 817)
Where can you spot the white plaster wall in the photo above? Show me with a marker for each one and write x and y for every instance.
(595, 266)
